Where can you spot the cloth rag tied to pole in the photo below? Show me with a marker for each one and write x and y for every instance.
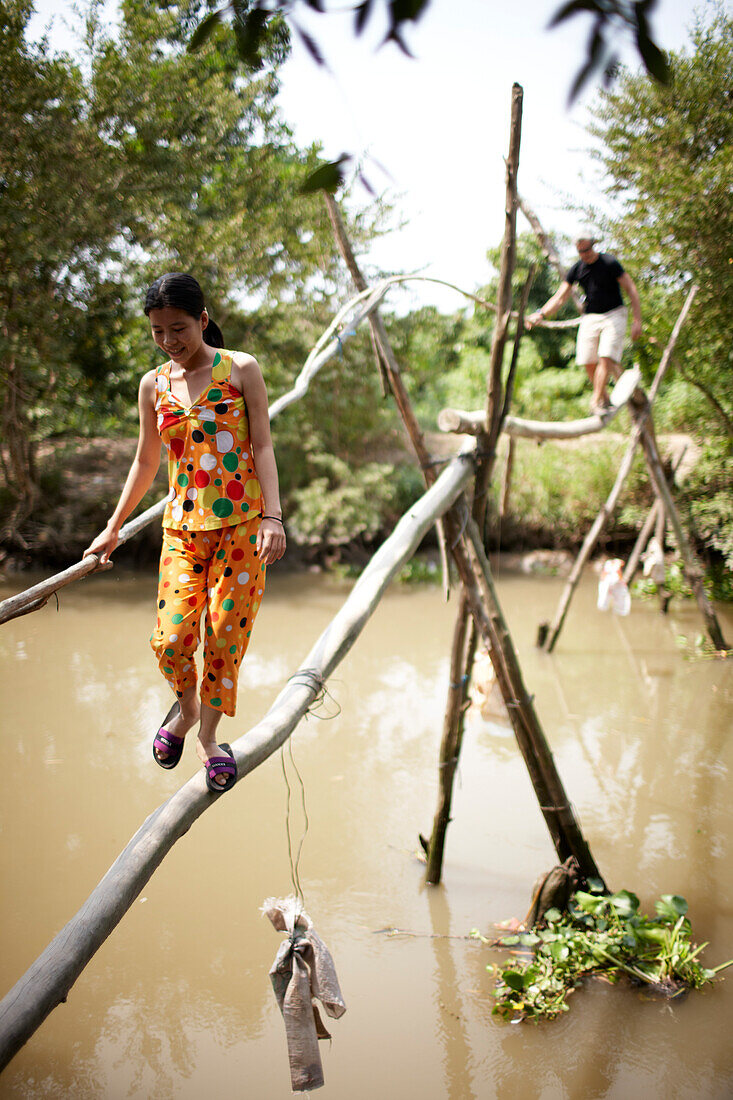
(303, 971)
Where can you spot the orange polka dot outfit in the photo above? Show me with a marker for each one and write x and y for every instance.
(210, 574)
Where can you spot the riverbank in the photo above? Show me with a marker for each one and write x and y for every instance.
(557, 490)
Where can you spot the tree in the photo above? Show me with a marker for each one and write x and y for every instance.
(56, 217)
(140, 159)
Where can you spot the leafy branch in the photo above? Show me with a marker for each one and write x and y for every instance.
(250, 19)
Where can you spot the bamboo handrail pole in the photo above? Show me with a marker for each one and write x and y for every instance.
(693, 570)
(48, 981)
(639, 432)
(506, 480)
(32, 599)
(329, 345)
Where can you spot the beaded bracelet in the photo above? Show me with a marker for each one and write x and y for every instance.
(276, 518)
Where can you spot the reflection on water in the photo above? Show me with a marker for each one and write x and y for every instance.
(178, 1003)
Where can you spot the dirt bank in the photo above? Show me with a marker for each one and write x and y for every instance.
(81, 482)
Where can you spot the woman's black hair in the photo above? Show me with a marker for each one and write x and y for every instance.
(178, 291)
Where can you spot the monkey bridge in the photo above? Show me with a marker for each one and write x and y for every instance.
(455, 502)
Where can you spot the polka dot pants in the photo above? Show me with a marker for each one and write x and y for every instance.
(210, 579)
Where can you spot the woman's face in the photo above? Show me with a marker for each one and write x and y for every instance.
(177, 333)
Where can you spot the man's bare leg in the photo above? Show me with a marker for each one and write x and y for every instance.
(606, 368)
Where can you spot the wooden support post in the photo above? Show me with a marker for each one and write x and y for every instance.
(475, 573)
(692, 568)
(389, 368)
(648, 526)
(554, 804)
(506, 481)
(487, 444)
(489, 439)
(589, 543)
(458, 691)
(461, 664)
(473, 569)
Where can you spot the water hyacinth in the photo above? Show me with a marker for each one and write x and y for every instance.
(604, 936)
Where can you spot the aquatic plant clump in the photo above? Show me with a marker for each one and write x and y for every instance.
(604, 936)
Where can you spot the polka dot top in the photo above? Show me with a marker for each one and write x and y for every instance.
(212, 478)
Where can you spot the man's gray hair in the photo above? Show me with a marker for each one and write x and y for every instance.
(587, 234)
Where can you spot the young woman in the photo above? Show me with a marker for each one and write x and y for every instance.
(222, 524)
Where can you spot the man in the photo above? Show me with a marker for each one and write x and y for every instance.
(603, 324)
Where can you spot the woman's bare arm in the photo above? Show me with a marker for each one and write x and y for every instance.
(247, 377)
(141, 475)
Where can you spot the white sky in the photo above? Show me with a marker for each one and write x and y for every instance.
(440, 123)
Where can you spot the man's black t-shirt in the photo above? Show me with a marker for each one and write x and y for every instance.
(599, 280)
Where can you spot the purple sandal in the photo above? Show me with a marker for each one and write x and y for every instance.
(168, 743)
(221, 765)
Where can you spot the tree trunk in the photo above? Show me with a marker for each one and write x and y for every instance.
(19, 450)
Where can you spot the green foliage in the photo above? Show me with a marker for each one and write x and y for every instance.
(139, 159)
(600, 935)
(549, 394)
(339, 505)
(708, 495)
(557, 491)
(251, 21)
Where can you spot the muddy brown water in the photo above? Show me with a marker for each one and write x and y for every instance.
(177, 1003)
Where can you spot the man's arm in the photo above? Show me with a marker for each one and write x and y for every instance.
(552, 305)
(627, 283)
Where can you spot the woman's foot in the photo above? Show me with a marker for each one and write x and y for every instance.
(209, 751)
(178, 725)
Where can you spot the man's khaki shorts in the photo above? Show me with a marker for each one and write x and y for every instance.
(601, 336)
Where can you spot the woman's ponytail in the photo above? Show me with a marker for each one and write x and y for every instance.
(212, 335)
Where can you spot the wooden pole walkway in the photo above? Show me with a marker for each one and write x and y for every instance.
(48, 981)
